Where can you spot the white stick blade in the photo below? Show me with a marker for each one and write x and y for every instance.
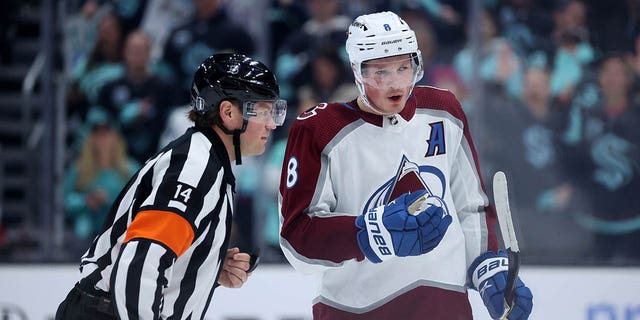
(501, 199)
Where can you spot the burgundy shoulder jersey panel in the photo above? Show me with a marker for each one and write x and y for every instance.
(438, 99)
(334, 238)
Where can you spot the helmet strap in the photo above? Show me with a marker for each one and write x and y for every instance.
(368, 104)
(236, 146)
(236, 137)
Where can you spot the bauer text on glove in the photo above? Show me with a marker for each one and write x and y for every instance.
(488, 275)
(390, 230)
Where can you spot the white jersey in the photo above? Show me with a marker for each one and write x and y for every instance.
(341, 162)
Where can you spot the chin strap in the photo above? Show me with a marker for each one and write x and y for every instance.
(236, 137)
(236, 145)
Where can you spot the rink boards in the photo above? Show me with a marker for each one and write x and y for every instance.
(277, 292)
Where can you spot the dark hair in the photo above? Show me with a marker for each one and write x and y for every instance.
(209, 118)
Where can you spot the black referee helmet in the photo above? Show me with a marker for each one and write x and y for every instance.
(231, 76)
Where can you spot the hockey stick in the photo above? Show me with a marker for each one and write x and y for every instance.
(501, 199)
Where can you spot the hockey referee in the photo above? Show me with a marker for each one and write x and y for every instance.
(164, 247)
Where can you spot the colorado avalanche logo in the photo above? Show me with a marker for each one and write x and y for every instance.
(409, 177)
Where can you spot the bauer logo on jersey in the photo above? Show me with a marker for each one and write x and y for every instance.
(409, 177)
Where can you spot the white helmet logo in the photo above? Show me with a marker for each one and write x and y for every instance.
(234, 69)
(199, 104)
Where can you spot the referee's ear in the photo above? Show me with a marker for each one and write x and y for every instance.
(230, 115)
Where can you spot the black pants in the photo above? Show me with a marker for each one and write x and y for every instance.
(81, 305)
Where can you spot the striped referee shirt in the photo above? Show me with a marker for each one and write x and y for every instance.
(167, 233)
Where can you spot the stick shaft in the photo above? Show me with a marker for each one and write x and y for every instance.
(503, 211)
(512, 275)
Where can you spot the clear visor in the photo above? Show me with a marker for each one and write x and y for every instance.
(265, 112)
(394, 72)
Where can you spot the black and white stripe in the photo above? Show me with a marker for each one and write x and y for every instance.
(144, 276)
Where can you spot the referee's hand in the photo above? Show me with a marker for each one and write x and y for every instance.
(234, 270)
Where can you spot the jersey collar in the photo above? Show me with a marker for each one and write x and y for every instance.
(378, 120)
(221, 153)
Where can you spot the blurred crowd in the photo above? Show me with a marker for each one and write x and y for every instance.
(551, 90)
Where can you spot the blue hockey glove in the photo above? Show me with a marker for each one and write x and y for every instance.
(488, 275)
(390, 230)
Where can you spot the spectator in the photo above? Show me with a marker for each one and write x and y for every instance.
(448, 19)
(160, 18)
(330, 80)
(633, 57)
(138, 100)
(130, 13)
(90, 72)
(604, 163)
(101, 66)
(569, 16)
(80, 30)
(500, 65)
(208, 32)
(573, 51)
(95, 178)
(527, 24)
(285, 18)
(530, 129)
(324, 28)
(613, 25)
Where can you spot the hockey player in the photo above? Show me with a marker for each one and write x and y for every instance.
(352, 187)
(164, 248)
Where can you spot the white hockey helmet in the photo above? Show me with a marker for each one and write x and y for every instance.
(381, 35)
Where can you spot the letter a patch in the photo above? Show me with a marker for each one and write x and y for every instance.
(436, 143)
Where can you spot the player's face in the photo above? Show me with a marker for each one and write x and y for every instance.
(388, 82)
(260, 124)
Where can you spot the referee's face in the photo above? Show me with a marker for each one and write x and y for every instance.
(254, 139)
